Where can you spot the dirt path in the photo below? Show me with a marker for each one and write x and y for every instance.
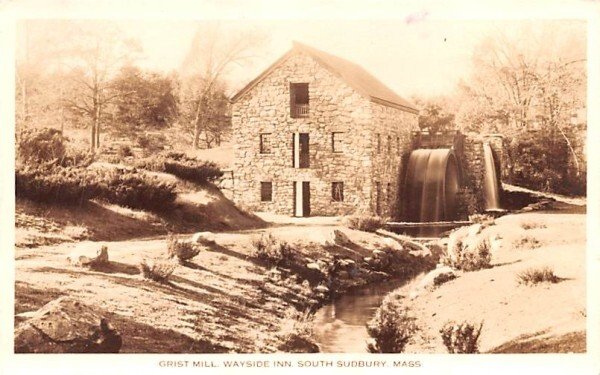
(221, 302)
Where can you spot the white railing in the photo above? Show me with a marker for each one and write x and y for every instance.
(300, 110)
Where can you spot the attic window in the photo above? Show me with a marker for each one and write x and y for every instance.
(299, 100)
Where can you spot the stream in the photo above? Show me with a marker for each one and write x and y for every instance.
(340, 327)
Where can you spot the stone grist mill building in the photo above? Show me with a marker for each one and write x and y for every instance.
(315, 134)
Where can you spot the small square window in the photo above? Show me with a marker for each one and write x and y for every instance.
(266, 191)
(337, 142)
(337, 191)
(265, 143)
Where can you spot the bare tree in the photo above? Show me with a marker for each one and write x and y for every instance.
(96, 53)
(39, 80)
(531, 81)
(212, 55)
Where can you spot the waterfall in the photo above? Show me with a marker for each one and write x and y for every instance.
(432, 181)
(490, 180)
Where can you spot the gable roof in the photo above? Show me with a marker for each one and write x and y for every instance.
(352, 74)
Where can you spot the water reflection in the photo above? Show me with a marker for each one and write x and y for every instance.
(340, 327)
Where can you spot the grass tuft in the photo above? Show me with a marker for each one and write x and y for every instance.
(533, 276)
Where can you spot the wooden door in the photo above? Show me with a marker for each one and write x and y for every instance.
(306, 198)
(301, 198)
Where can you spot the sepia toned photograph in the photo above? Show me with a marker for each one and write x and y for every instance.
(411, 185)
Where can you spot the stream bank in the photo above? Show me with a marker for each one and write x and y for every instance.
(548, 317)
(340, 327)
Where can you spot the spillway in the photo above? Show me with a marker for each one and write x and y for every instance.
(490, 180)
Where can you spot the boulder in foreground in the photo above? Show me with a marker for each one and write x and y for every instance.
(204, 238)
(66, 325)
(89, 256)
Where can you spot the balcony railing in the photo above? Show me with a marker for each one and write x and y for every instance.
(300, 110)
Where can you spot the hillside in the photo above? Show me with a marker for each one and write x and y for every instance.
(545, 317)
(197, 208)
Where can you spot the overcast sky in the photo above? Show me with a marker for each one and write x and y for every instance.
(413, 56)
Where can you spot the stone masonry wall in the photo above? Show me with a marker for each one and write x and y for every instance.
(334, 107)
(394, 127)
(474, 169)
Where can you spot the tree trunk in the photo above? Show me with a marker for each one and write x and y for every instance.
(93, 139)
(571, 149)
(98, 135)
(98, 127)
(196, 142)
(95, 128)
(198, 125)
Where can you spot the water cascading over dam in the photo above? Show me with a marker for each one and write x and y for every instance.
(490, 180)
(432, 182)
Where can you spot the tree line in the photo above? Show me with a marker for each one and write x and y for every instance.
(85, 74)
(530, 88)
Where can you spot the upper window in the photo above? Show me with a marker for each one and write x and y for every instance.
(266, 191)
(300, 150)
(398, 144)
(265, 143)
(298, 100)
(389, 144)
(378, 142)
(337, 191)
(337, 142)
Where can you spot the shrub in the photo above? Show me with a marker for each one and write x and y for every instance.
(541, 162)
(124, 151)
(272, 251)
(526, 242)
(481, 219)
(468, 255)
(527, 225)
(364, 222)
(53, 184)
(182, 250)
(75, 185)
(151, 143)
(461, 338)
(40, 145)
(537, 275)
(297, 333)
(391, 327)
(133, 189)
(182, 166)
(157, 269)
(77, 158)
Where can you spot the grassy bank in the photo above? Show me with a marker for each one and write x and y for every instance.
(517, 316)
